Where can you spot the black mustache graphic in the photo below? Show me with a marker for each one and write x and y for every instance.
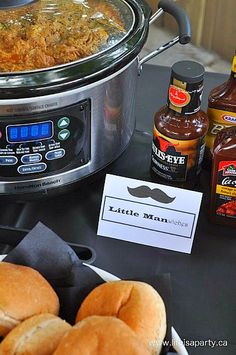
(156, 194)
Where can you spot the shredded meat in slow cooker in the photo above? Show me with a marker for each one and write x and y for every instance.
(40, 36)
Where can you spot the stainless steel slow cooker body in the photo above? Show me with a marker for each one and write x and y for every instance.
(62, 124)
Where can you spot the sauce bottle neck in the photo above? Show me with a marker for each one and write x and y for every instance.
(183, 97)
(225, 135)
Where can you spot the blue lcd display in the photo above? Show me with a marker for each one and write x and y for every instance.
(28, 133)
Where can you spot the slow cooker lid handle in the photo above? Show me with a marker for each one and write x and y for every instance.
(9, 4)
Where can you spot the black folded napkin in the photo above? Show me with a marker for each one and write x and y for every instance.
(44, 251)
(47, 253)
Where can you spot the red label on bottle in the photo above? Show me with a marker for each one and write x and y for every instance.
(229, 168)
(178, 97)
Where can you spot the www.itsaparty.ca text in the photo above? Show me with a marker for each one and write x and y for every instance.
(193, 343)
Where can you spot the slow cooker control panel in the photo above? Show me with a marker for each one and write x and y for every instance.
(45, 143)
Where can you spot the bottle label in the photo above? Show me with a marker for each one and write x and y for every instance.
(176, 160)
(183, 97)
(226, 189)
(218, 119)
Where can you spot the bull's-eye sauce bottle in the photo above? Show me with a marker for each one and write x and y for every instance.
(180, 128)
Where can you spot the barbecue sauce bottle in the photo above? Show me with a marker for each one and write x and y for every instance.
(180, 128)
(221, 110)
(223, 179)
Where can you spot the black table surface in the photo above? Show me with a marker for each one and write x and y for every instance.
(203, 283)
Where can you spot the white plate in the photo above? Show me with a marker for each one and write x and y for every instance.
(106, 276)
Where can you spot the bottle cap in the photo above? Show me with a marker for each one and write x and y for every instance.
(188, 71)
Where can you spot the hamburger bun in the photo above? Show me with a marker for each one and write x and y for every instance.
(101, 336)
(135, 303)
(38, 335)
(24, 292)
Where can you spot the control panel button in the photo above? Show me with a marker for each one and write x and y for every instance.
(64, 134)
(8, 160)
(63, 122)
(55, 154)
(32, 168)
(31, 158)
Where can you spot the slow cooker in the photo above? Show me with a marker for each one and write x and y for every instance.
(68, 75)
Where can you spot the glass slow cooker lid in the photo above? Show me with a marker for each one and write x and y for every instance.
(50, 33)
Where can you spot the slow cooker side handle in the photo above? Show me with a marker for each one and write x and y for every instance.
(184, 25)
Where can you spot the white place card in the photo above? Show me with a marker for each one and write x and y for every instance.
(150, 214)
